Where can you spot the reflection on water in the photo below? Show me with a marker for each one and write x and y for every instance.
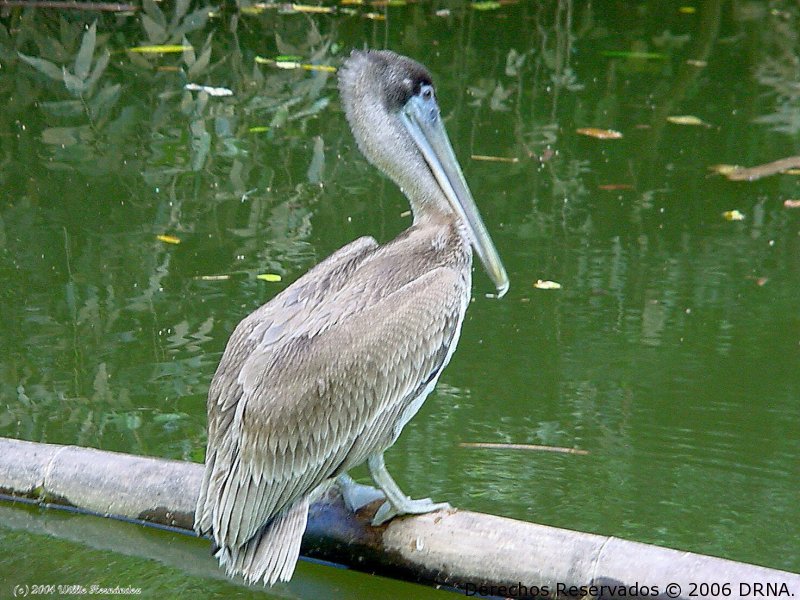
(670, 353)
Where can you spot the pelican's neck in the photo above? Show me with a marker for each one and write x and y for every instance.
(427, 201)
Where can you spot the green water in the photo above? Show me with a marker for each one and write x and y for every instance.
(670, 353)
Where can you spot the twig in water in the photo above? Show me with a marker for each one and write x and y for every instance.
(496, 446)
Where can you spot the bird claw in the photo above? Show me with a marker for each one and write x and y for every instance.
(388, 511)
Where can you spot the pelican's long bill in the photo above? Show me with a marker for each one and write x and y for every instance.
(421, 118)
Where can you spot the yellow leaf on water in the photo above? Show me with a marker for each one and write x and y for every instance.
(305, 8)
(168, 239)
(487, 5)
(543, 284)
(687, 120)
(213, 277)
(733, 215)
(258, 129)
(488, 158)
(271, 277)
(723, 169)
(600, 134)
(324, 68)
(281, 63)
(687, 10)
(162, 49)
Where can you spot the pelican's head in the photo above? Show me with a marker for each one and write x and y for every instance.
(390, 103)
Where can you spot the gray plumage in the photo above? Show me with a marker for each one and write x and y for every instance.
(326, 374)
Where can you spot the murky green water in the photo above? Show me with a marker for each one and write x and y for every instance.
(670, 353)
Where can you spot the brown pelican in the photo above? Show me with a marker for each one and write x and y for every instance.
(325, 376)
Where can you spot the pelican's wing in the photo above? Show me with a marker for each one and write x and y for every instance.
(323, 403)
(263, 329)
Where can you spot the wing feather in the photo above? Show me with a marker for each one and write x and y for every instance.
(308, 407)
(225, 393)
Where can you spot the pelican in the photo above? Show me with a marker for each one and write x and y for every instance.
(325, 376)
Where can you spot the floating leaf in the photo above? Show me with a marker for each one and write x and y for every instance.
(374, 16)
(696, 63)
(634, 54)
(211, 91)
(271, 277)
(782, 165)
(498, 446)
(322, 68)
(687, 10)
(723, 169)
(543, 284)
(512, 159)
(687, 120)
(168, 239)
(486, 5)
(791, 203)
(760, 281)
(600, 134)
(611, 187)
(306, 8)
(291, 64)
(213, 277)
(733, 215)
(258, 129)
(160, 49)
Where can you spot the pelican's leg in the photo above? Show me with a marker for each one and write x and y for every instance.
(356, 495)
(397, 503)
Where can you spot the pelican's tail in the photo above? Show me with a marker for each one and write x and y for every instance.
(272, 553)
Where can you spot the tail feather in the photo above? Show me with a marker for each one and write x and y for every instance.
(272, 553)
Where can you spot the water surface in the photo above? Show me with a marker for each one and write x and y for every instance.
(670, 353)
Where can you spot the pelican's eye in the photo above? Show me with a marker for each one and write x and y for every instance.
(427, 93)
